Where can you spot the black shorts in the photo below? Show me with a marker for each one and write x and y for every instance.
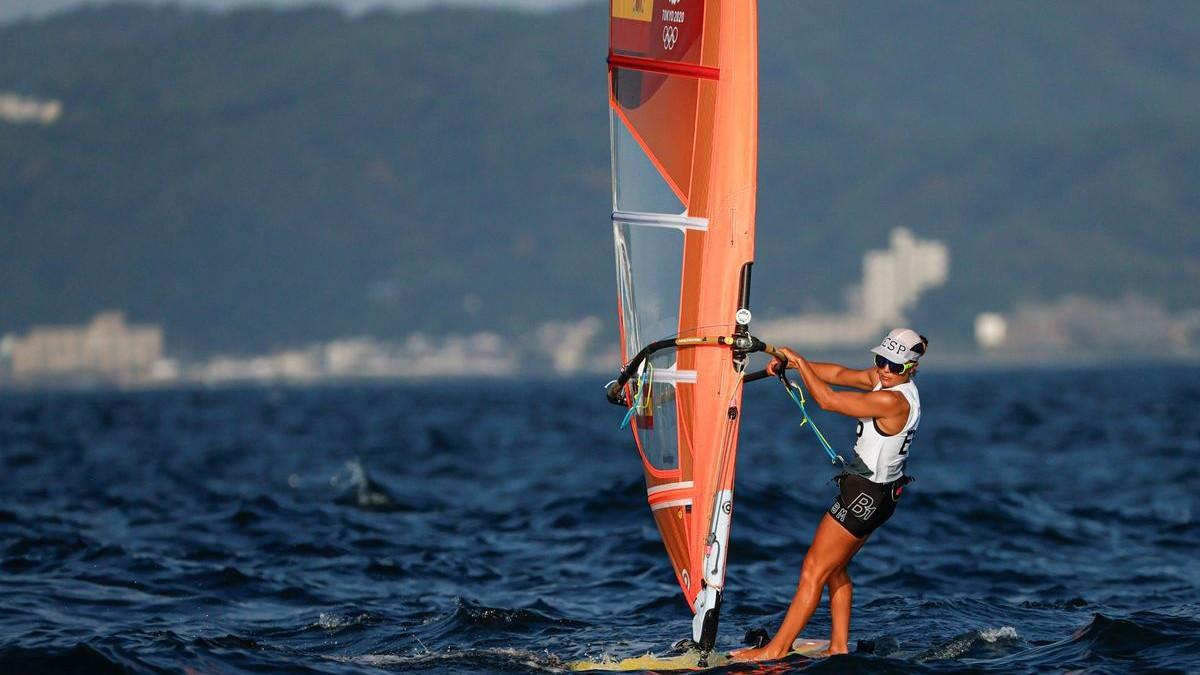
(863, 505)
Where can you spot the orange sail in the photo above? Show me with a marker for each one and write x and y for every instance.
(683, 107)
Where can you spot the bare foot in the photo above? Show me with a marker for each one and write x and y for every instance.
(754, 654)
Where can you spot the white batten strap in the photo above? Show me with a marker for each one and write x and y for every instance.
(666, 505)
(674, 376)
(673, 221)
(683, 485)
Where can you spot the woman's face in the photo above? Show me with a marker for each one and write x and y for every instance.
(889, 379)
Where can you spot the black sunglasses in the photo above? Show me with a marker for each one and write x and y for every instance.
(894, 368)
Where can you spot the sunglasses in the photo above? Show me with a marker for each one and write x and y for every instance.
(894, 368)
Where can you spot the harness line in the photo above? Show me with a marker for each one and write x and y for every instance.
(797, 395)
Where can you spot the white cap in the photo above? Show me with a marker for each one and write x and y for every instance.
(898, 346)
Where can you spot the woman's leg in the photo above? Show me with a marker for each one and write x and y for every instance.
(832, 547)
(841, 594)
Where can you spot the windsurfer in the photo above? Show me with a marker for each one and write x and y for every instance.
(888, 410)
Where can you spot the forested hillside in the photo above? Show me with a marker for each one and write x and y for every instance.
(264, 177)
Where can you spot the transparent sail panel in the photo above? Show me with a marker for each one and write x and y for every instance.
(649, 262)
(654, 131)
(637, 184)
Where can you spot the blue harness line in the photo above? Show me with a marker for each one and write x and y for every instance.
(797, 395)
(641, 388)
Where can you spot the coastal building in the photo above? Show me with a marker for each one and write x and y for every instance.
(107, 349)
(1080, 325)
(18, 109)
(418, 356)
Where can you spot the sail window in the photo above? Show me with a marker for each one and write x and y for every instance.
(649, 259)
(637, 184)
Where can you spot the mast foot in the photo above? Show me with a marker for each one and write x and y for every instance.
(708, 616)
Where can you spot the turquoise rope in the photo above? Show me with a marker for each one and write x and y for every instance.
(797, 395)
(637, 395)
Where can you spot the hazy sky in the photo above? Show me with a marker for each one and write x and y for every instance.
(16, 9)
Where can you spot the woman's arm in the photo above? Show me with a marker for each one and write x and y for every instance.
(839, 375)
(850, 403)
(831, 373)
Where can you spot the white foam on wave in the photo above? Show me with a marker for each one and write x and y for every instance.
(960, 645)
(1001, 633)
(334, 621)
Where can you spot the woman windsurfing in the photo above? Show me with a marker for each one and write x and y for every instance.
(888, 409)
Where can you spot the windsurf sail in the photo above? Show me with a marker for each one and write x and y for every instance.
(683, 103)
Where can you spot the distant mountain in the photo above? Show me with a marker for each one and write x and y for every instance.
(270, 177)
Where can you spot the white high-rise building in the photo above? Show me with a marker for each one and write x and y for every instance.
(892, 282)
(894, 279)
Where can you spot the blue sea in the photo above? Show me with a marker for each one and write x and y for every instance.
(500, 526)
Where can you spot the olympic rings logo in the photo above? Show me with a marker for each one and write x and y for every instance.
(670, 37)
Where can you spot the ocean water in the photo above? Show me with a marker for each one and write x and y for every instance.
(501, 527)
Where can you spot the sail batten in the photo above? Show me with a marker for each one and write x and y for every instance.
(661, 220)
(665, 67)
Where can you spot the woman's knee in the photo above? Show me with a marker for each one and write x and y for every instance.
(839, 577)
(815, 571)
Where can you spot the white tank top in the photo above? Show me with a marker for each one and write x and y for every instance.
(885, 455)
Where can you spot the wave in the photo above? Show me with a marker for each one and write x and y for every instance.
(494, 660)
(472, 620)
(618, 497)
(469, 613)
(82, 658)
(1130, 637)
(973, 644)
(335, 622)
(1142, 641)
(361, 491)
(1072, 603)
